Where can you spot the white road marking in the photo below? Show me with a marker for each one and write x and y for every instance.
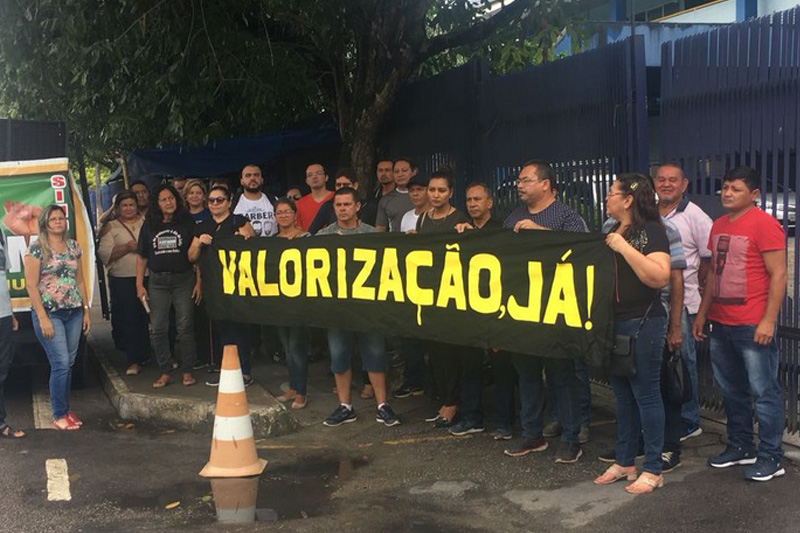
(57, 480)
(42, 412)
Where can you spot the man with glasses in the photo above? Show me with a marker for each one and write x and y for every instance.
(308, 205)
(541, 211)
(254, 204)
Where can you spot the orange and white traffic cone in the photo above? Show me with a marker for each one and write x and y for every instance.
(233, 446)
(235, 499)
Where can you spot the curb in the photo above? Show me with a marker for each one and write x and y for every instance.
(269, 417)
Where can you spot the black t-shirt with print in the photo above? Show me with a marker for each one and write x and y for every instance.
(633, 296)
(227, 228)
(165, 245)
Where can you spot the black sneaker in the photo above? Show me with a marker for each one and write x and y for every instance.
(527, 446)
(212, 380)
(340, 415)
(501, 434)
(433, 418)
(248, 381)
(568, 453)
(406, 390)
(386, 416)
(691, 433)
(670, 461)
(764, 469)
(611, 456)
(199, 365)
(731, 457)
(465, 428)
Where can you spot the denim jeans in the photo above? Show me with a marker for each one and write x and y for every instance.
(743, 369)
(371, 347)
(6, 354)
(690, 412)
(584, 396)
(295, 346)
(562, 377)
(172, 289)
(639, 405)
(61, 350)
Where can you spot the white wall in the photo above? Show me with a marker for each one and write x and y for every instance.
(717, 13)
(765, 7)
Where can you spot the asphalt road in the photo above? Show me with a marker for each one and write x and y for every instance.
(358, 477)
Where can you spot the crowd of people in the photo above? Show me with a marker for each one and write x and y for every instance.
(679, 278)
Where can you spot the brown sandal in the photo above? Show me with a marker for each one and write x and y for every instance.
(645, 484)
(162, 382)
(188, 380)
(615, 473)
(290, 394)
(299, 402)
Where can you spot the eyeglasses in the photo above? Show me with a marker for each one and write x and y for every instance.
(312, 174)
(525, 181)
(217, 200)
(616, 194)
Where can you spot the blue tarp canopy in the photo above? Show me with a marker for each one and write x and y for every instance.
(225, 156)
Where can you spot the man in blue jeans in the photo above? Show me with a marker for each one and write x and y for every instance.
(745, 288)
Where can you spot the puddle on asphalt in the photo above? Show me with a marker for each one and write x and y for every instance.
(282, 492)
(285, 491)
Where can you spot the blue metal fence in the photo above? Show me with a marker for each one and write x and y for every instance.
(730, 97)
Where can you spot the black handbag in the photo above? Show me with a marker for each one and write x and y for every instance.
(622, 363)
(676, 386)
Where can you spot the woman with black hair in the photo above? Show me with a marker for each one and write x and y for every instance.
(641, 259)
(117, 250)
(163, 248)
(445, 359)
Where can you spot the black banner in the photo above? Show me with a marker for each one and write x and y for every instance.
(537, 292)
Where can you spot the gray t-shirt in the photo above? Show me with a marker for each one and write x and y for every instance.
(5, 299)
(391, 209)
(334, 229)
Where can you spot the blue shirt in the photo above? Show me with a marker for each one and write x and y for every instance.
(556, 216)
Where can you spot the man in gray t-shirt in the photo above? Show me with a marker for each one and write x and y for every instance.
(342, 343)
(8, 323)
(395, 204)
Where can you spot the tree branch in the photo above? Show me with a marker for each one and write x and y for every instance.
(476, 32)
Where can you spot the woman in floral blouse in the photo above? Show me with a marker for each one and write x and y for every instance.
(54, 280)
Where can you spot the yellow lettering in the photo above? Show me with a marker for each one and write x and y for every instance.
(533, 311)
(17, 284)
(491, 303)
(341, 273)
(291, 256)
(264, 288)
(228, 271)
(451, 286)
(563, 300)
(246, 283)
(368, 257)
(318, 268)
(390, 282)
(416, 294)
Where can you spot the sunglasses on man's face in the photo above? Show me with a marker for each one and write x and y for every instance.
(217, 200)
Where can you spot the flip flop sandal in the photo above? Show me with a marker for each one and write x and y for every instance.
(299, 405)
(69, 427)
(74, 418)
(162, 382)
(189, 381)
(7, 432)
